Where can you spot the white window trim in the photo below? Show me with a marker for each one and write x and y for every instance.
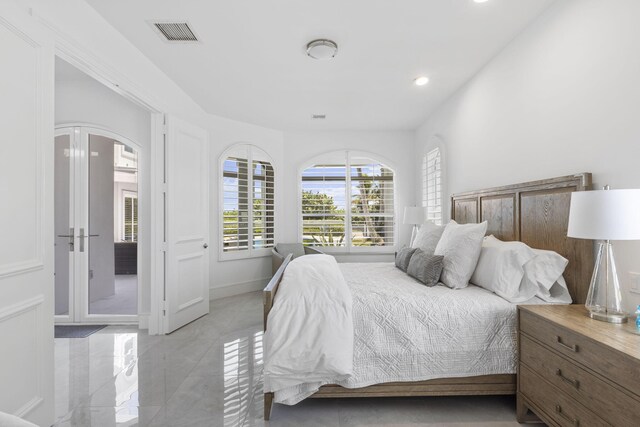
(345, 156)
(250, 252)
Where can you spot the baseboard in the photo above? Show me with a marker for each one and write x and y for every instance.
(143, 320)
(238, 288)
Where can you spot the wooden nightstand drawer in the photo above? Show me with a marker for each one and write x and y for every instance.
(554, 404)
(599, 396)
(609, 363)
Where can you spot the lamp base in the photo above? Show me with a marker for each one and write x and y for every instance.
(606, 317)
(604, 299)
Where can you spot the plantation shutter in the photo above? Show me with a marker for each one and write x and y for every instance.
(263, 206)
(130, 232)
(432, 191)
(236, 204)
(324, 205)
(371, 193)
(248, 201)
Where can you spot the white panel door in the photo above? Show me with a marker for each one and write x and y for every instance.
(187, 221)
(26, 218)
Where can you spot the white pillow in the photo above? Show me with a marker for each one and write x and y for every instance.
(545, 269)
(460, 245)
(557, 293)
(500, 269)
(428, 237)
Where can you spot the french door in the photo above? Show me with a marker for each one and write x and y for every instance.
(96, 226)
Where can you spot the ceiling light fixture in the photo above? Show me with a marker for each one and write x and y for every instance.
(322, 49)
(421, 81)
(480, 1)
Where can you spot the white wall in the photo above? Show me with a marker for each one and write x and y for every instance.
(393, 147)
(87, 101)
(562, 98)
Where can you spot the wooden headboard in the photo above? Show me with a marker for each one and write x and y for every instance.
(536, 213)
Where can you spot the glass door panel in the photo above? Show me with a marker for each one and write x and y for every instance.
(112, 238)
(63, 218)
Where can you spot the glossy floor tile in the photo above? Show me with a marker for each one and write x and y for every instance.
(209, 373)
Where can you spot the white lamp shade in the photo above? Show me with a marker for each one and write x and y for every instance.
(605, 215)
(413, 215)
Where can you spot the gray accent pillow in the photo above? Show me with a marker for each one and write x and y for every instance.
(403, 257)
(428, 237)
(425, 267)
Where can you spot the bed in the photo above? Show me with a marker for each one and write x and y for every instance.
(535, 213)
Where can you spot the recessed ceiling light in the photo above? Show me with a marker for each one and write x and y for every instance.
(322, 49)
(421, 81)
(480, 1)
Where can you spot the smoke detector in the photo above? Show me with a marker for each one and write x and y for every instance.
(174, 32)
(322, 49)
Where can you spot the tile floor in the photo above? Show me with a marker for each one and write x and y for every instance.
(209, 373)
(124, 301)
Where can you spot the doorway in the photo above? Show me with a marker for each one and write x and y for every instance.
(96, 226)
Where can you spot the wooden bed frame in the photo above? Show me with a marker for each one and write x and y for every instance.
(536, 213)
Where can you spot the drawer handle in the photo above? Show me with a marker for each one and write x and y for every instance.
(573, 348)
(574, 383)
(575, 422)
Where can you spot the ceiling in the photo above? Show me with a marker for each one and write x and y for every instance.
(250, 64)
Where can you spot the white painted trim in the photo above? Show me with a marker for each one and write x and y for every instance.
(238, 288)
(21, 307)
(31, 304)
(143, 320)
(37, 259)
(158, 214)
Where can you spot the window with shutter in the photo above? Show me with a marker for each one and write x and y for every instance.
(130, 216)
(432, 185)
(348, 205)
(248, 201)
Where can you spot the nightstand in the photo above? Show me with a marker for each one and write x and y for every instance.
(575, 371)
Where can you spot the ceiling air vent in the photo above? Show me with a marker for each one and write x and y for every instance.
(318, 116)
(179, 32)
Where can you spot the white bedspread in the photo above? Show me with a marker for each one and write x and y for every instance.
(309, 337)
(405, 331)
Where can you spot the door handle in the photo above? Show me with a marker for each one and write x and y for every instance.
(70, 236)
(205, 246)
(82, 236)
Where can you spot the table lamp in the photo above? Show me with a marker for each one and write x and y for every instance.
(414, 216)
(605, 215)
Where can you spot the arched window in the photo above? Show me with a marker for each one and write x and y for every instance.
(247, 223)
(432, 185)
(348, 202)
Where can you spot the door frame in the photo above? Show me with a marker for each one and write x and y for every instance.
(68, 49)
(79, 295)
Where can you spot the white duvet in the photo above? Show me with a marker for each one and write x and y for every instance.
(401, 330)
(309, 337)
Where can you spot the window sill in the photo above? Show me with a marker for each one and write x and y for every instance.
(243, 255)
(350, 251)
